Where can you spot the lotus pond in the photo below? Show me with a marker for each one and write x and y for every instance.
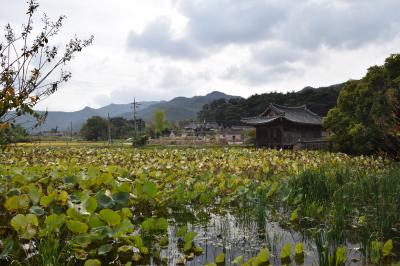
(191, 206)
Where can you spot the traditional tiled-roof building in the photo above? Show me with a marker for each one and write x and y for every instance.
(282, 126)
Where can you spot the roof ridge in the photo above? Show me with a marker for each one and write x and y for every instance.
(311, 112)
(300, 107)
(289, 107)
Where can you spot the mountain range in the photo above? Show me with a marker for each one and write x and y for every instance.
(177, 109)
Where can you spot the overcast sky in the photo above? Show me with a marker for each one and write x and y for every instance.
(160, 49)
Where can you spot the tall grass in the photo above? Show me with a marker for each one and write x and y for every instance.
(341, 203)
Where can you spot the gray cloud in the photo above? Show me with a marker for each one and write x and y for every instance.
(156, 39)
(340, 24)
(301, 25)
(277, 53)
(189, 46)
(126, 95)
(220, 22)
(256, 75)
(175, 78)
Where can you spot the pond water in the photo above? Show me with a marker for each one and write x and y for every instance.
(234, 238)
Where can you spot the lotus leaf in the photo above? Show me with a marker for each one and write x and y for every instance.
(17, 202)
(92, 262)
(46, 200)
(36, 210)
(121, 198)
(149, 189)
(220, 258)
(299, 248)
(77, 227)
(25, 225)
(111, 217)
(90, 204)
(34, 194)
(54, 222)
(262, 257)
(104, 201)
(387, 248)
(104, 249)
(286, 251)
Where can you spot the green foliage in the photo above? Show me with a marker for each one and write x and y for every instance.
(155, 225)
(238, 260)
(149, 189)
(286, 251)
(49, 252)
(25, 225)
(92, 262)
(387, 248)
(77, 227)
(104, 249)
(111, 217)
(188, 241)
(140, 140)
(262, 257)
(220, 258)
(122, 128)
(120, 205)
(366, 117)
(375, 252)
(340, 255)
(95, 128)
(299, 249)
(17, 202)
(13, 134)
(159, 122)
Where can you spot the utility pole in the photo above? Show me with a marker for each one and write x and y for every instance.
(109, 129)
(134, 106)
(71, 131)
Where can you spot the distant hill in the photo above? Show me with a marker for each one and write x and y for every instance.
(181, 108)
(63, 120)
(177, 109)
(228, 113)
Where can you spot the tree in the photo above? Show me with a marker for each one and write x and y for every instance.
(28, 65)
(123, 128)
(13, 134)
(159, 122)
(95, 128)
(366, 119)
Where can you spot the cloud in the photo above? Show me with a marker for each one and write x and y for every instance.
(253, 75)
(157, 39)
(126, 94)
(297, 26)
(176, 78)
(340, 24)
(157, 50)
(277, 53)
(221, 22)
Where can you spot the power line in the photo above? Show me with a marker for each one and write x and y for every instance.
(134, 106)
(109, 128)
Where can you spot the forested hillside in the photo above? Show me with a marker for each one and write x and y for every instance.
(229, 112)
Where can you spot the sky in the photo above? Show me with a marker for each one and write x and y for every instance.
(161, 49)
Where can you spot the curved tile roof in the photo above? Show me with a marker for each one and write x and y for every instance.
(297, 114)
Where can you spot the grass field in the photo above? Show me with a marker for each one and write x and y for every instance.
(93, 204)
